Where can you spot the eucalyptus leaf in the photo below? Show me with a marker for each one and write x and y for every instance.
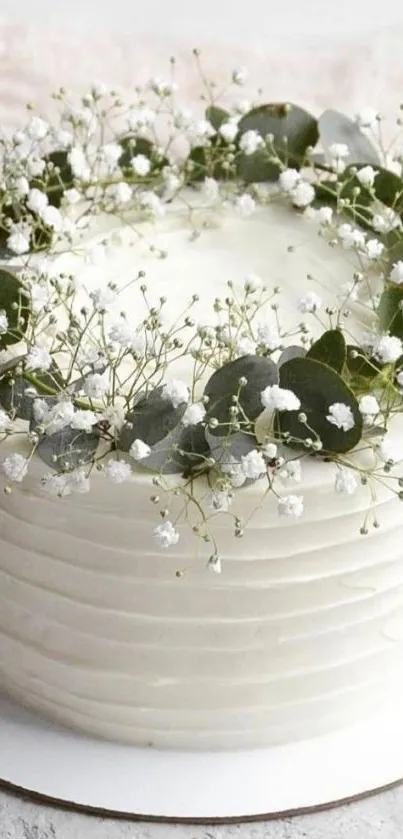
(217, 116)
(318, 387)
(10, 365)
(388, 188)
(390, 310)
(359, 366)
(132, 146)
(16, 397)
(14, 302)
(293, 129)
(335, 127)
(68, 449)
(207, 162)
(330, 349)
(152, 419)
(293, 351)
(359, 208)
(184, 449)
(234, 445)
(223, 386)
(56, 182)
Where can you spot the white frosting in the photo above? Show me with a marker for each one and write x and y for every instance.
(301, 633)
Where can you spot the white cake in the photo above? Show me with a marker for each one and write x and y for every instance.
(300, 634)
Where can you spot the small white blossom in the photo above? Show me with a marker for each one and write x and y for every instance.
(245, 205)
(37, 128)
(311, 302)
(228, 130)
(368, 406)
(218, 502)
(139, 450)
(341, 416)
(239, 76)
(194, 414)
(56, 484)
(253, 283)
(104, 299)
(162, 87)
(72, 196)
(3, 323)
(367, 118)
(374, 249)
(250, 142)
(120, 193)
(141, 118)
(96, 386)
(325, 215)
(38, 359)
(37, 201)
(233, 469)
(51, 216)
(166, 534)
(214, 564)
(366, 175)
(211, 189)
(388, 349)
(124, 334)
(201, 130)
(79, 164)
(338, 150)
(396, 274)
(269, 450)
(291, 472)
(289, 179)
(63, 138)
(387, 450)
(350, 236)
(303, 194)
(151, 204)
(21, 185)
(253, 465)
(19, 239)
(35, 167)
(40, 410)
(15, 467)
(84, 420)
(267, 336)
(114, 415)
(176, 392)
(291, 506)
(58, 417)
(345, 482)
(389, 220)
(276, 398)
(111, 153)
(141, 164)
(245, 346)
(118, 471)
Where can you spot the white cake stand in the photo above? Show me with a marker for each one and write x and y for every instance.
(67, 768)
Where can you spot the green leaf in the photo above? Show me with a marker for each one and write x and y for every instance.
(317, 387)
(131, 146)
(291, 352)
(359, 210)
(17, 395)
(390, 310)
(224, 385)
(207, 162)
(294, 130)
(153, 418)
(10, 365)
(68, 449)
(14, 302)
(330, 349)
(334, 127)
(55, 183)
(223, 449)
(388, 188)
(217, 116)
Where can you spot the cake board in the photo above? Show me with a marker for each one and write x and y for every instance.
(44, 760)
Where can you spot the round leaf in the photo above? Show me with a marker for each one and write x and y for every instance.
(334, 127)
(68, 449)
(317, 387)
(359, 366)
(294, 130)
(56, 182)
(291, 352)
(224, 384)
(131, 146)
(153, 418)
(390, 310)
(14, 302)
(217, 116)
(330, 349)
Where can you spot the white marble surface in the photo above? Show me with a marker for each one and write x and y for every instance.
(378, 817)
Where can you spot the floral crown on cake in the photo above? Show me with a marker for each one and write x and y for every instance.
(83, 389)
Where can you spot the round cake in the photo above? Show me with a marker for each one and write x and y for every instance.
(110, 621)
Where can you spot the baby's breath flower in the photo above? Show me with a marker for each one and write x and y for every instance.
(72, 196)
(245, 205)
(165, 534)
(245, 346)
(151, 204)
(38, 359)
(5, 421)
(37, 128)
(96, 386)
(211, 189)
(291, 506)
(124, 334)
(142, 117)
(163, 87)
(3, 323)
(341, 416)
(267, 336)
(240, 75)
(15, 467)
(291, 472)
(51, 216)
(84, 420)
(351, 237)
(114, 415)
(19, 239)
(104, 299)
(325, 215)
(369, 406)
(37, 201)
(79, 164)
(338, 150)
(141, 164)
(194, 414)
(120, 193)
(253, 465)
(21, 185)
(269, 450)
(345, 482)
(303, 194)
(396, 274)
(111, 153)
(201, 131)
(176, 392)
(388, 349)
(366, 175)
(218, 502)
(55, 484)
(311, 302)
(228, 130)
(233, 469)
(250, 142)
(139, 450)
(289, 179)
(374, 249)
(118, 471)
(276, 398)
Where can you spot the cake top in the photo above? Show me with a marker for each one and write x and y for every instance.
(212, 297)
